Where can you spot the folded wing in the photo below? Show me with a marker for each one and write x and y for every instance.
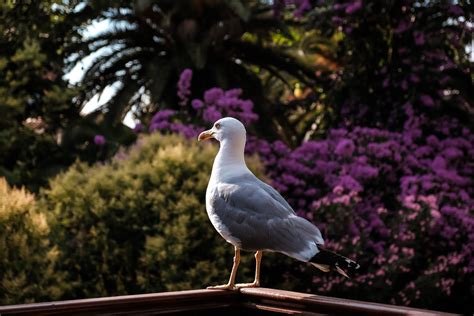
(259, 217)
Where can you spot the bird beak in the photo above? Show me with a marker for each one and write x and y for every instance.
(205, 135)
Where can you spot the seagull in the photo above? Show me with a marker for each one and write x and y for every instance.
(253, 216)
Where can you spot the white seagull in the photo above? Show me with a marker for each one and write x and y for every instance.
(253, 216)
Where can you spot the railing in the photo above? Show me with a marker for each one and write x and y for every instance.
(250, 301)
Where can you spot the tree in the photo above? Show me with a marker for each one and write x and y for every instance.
(27, 262)
(138, 223)
(35, 102)
(226, 43)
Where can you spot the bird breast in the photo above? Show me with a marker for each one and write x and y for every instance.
(216, 220)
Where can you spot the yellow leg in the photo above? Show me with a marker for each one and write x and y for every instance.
(256, 282)
(231, 284)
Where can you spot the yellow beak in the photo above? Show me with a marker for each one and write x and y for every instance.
(205, 135)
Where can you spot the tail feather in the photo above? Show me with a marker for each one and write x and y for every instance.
(322, 267)
(326, 260)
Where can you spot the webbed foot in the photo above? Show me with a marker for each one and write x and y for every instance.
(222, 287)
(245, 285)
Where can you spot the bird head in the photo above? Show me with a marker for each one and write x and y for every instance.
(227, 128)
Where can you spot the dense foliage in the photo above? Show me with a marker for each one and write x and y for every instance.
(398, 52)
(27, 259)
(400, 202)
(35, 101)
(398, 197)
(149, 43)
(138, 223)
(361, 113)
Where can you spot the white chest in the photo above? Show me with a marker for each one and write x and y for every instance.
(217, 219)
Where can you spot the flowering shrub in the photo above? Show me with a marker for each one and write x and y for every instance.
(184, 85)
(215, 104)
(391, 184)
(137, 224)
(218, 103)
(400, 198)
(394, 53)
(398, 202)
(162, 121)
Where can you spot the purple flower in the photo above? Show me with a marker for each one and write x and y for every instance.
(212, 95)
(403, 26)
(455, 10)
(303, 6)
(161, 120)
(184, 85)
(197, 104)
(218, 103)
(419, 38)
(233, 93)
(414, 78)
(427, 100)
(138, 128)
(153, 127)
(337, 20)
(438, 163)
(345, 148)
(211, 115)
(162, 115)
(354, 6)
(349, 183)
(157, 126)
(452, 153)
(99, 140)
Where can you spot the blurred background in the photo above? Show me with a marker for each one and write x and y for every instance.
(359, 112)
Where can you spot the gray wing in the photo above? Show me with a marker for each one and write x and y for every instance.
(260, 219)
(274, 194)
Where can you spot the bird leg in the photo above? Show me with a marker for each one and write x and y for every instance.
(256, 282)
(231, 284)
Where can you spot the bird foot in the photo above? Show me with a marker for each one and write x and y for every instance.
(245, 285)
(222, 287)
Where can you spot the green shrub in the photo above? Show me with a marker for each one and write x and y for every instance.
(26, 258)
(138, 223)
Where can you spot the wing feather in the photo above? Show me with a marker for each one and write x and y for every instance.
(260, 219)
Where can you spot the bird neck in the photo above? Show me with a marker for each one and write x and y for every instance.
(230, 160)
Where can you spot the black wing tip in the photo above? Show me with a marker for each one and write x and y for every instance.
(336, 262)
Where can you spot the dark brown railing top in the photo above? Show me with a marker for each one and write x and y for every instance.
(250, 301)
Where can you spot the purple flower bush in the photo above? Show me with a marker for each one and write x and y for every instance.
(399, 197)
(218, 103)
(424, 63)
(215, 104)
(399, 202)
(184, 85)
(391, 184)
(164, 121)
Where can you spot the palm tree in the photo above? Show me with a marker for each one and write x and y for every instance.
(227, 43)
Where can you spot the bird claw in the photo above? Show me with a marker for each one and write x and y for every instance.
(246, 285)
(222, 287)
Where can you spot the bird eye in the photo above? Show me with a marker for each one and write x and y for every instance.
(218, 125)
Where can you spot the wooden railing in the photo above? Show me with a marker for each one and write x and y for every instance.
(251, 301)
